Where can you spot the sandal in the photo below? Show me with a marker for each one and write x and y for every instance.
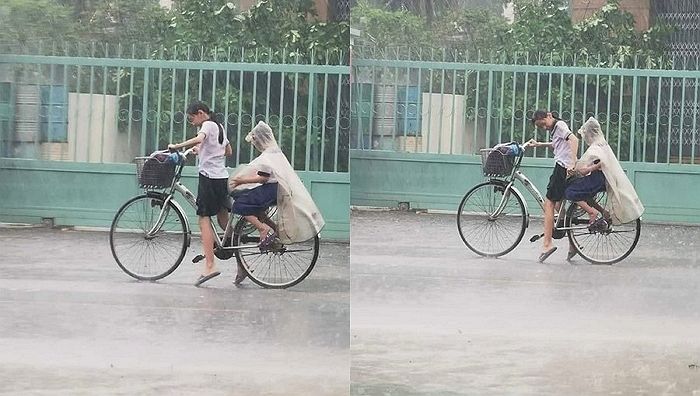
(598, 225)
(546, 254)
(204, 278)
(267, 241)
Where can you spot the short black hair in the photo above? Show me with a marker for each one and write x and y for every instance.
(196, 106)
(539, 115)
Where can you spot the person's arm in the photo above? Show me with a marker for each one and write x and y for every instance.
(188, 143)
(591, 168)
(258, 177)
(229, 151)
(573, 145)
(535, 143)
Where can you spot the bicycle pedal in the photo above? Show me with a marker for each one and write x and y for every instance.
(536, 237)
(198, 258)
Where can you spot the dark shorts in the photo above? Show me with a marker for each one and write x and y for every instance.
(255, 200)
(212, 196)
(583, 188)
(557, 184)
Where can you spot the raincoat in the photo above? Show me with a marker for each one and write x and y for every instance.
(622, 203)
(298, 218)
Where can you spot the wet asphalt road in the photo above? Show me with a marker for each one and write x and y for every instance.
(71, 323)
(429, 317)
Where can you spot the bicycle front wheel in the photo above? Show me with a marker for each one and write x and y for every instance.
(489, 235)
(143, 256)
(602, 247)
(279, 267)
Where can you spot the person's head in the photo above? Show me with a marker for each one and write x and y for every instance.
(198, 112)
(591, 132)
(261, 137)
(544, 119)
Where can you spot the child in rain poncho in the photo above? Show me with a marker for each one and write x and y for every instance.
(298, 218)
(623, 204)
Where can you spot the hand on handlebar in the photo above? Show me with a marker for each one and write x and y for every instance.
(530, 143)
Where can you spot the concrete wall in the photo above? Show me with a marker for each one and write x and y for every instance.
(425, 181)
(85, 194)
(92, 132)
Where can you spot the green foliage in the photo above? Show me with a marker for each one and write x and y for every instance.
(540, 26)
(473, 30)
(610, 35)
(121, 21)
(25, 22)
(383, 28)
(272, 27)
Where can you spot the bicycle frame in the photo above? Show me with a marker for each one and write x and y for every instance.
(178, 187)
(518, 175)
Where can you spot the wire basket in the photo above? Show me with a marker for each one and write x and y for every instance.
(152, 173)
(495, 163)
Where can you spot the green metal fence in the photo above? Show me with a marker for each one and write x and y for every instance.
(72, 118)
(446, 102)
(96, 103)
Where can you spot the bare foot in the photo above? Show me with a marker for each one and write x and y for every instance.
(264, 232)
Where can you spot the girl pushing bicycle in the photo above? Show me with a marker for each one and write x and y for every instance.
(212, 196)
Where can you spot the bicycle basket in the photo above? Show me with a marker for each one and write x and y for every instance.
(495, 163)
(152, 173)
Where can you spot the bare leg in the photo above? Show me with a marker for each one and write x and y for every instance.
(222, 217)
(207, 244)
(596, 205)
(588, 209)
(263, 228)
(548, 224)
(262, 216)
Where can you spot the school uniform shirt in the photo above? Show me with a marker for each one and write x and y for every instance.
(562, 150)
(211, 159)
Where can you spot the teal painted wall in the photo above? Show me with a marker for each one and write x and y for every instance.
(430, 181)
(83, 194)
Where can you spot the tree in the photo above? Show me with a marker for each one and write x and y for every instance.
(122, 21)
(434, 9)
(473, 30)
(386, 28)
(26, 22)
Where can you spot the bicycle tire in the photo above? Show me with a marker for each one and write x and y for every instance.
(273, 268)
(587, 243)
(475, 209)
(128, 233)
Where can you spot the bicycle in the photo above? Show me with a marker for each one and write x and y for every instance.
(493, 216)
(150, 233)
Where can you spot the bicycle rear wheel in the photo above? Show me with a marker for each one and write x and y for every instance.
(486, 235)
(148, 257)
(602, 247)
(279, 267)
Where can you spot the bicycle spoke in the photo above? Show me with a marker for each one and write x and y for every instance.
(606, 247)
(153, 257)
(281, 265)
(482, 233)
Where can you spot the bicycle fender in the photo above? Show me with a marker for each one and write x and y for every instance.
(163, 196)
(527, 211)
(522, 198)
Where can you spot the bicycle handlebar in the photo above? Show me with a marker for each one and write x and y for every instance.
(183, 154)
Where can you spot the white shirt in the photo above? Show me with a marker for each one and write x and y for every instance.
(211, 158)
(562, 150)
